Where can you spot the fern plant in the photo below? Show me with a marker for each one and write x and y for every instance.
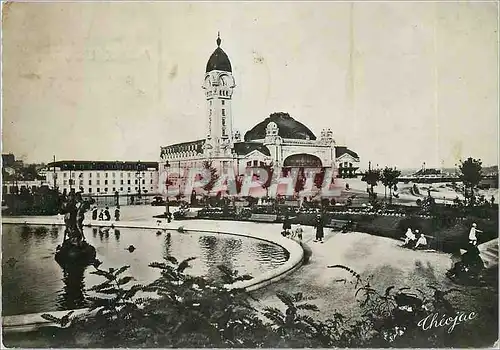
(390, 318)
(179, 310)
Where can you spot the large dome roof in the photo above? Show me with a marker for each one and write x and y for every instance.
(218, 60)
(288, 128)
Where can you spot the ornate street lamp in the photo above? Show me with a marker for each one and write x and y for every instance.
(167, 203)
(55, 174)
(70, 166)
(179, 179)
(139, 175)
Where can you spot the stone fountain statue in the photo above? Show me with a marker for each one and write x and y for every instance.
(74, 249)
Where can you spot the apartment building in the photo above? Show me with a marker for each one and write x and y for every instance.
(104, 177)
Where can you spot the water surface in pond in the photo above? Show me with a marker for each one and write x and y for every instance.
(32, 281)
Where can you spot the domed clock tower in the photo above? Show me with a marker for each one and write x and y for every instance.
(218, 85)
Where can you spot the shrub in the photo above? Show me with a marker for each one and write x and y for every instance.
(179, 310)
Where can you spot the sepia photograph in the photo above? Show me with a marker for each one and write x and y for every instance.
(236, 174)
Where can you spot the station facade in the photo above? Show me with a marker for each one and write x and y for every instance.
(278, 141)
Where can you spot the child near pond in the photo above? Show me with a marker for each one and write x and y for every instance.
(297, 233)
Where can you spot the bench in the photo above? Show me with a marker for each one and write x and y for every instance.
(264, 217)
(342, 225)
(191, 214)
(180, 215)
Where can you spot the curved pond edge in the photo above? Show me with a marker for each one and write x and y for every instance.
(260, 231)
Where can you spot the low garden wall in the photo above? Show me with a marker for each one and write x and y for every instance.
(449, 232)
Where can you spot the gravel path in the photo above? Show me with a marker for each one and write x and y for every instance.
(378, 258)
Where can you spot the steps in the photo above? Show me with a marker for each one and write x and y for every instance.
(489, 253)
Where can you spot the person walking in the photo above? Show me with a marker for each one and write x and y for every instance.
(319, 229)
(473, 234)
(287, 226)
(117, 213)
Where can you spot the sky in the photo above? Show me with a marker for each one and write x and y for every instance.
(399, 83)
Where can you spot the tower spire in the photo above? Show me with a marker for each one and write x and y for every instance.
(218, 39)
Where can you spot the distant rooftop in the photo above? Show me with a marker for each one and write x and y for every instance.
(429, 171)
(103, 165)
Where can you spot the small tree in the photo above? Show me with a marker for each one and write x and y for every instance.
(389, 178)
(301, 181)
(318, 178)
(269, 169)
(385, 181)
(371, 177)
(239, 184)
(236, 184)
(471, 175)
(207, 165)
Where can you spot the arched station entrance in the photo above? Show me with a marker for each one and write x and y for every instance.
(302, 160)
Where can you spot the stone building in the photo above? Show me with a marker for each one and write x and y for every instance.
(279, 140)
(104, 178)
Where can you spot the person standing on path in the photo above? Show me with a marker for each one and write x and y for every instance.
(286, 225)
(298, 232)
(94, 213)
(117, 213)
(319, 228)
(473, 234)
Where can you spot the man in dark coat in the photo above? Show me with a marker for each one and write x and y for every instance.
(319, 228)
(94, 213)
(287, 225)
